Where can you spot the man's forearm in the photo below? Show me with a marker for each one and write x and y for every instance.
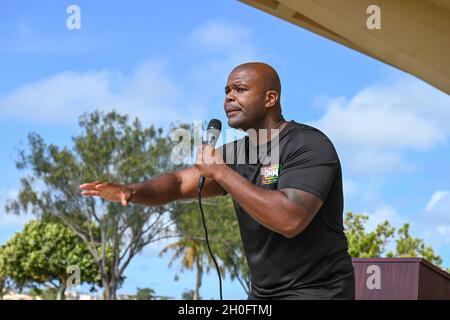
(157, 191)
(271, 208)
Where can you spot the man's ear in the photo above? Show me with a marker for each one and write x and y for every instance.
(272, 97)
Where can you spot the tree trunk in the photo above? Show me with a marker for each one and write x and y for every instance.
(106, 289)
(61, 293)
(198, 280)
(109, 290)
(113, 290)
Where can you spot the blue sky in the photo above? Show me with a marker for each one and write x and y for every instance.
(164, 61)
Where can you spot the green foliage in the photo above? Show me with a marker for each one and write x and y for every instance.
(189, 295)
(224, 237)
(408, 246)
(2, 287)
(145, 294)
(3, 278)
(364, 244)
(40, 254)
(45, 294)
(108, 149)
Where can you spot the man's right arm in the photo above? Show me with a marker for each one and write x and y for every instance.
(166, 188)
(173, 186)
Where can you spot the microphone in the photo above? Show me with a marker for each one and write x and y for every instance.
(212, 134)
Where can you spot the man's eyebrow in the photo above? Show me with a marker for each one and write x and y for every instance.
(239, 83)
(236, 83)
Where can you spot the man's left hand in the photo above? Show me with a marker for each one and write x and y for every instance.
(209, 161)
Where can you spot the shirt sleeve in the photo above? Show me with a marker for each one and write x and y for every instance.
(310, 167)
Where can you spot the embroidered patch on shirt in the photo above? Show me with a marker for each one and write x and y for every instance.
(270, 174)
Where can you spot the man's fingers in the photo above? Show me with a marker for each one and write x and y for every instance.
(89, 185)
(124, 201)
(207, 154)
(102, 185)
(90, 193)
(107, 190)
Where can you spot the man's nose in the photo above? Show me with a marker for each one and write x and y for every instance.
(230, 97)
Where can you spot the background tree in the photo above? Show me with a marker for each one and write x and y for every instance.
(40, 254)
(44, 294)
(227, 240)
(223, 230)
(2, 286)
(188, 295)
(145, 294)
(408, 246)
(362, 244)
(3, 278)
(373, 244)
(108, 149)
(227, 246)
(192, 255)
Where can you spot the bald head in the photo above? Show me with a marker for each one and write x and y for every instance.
(263, 73)
(252, 96)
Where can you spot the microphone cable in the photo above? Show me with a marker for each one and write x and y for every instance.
(200, 187)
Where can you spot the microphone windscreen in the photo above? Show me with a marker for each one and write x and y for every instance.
(215, 124)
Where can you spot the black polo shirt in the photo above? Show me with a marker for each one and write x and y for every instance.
(315, 264)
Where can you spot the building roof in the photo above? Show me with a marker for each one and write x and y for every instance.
(414, 34)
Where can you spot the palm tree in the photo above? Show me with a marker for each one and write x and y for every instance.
(192, 254)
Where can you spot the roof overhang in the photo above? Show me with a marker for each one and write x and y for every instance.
(414, 34)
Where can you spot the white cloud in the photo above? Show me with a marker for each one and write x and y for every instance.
(437, 215)
(23, 37)
(374, 128)
(436, 198)
(221, 35)
(387, 213)
(363, 193)
(350, 187)
(428, 228)
(12, 220)
(148, 93)
(384, 213)
(220, 46)
(372, 161)
(431, 223)
(444, 231)
(373, 132)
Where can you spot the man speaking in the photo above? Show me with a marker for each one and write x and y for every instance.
(289, 211)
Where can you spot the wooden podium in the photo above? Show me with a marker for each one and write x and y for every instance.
(399, 279)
